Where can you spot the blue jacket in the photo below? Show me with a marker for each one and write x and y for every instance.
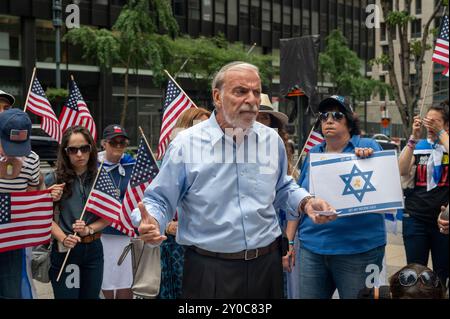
(351, 235)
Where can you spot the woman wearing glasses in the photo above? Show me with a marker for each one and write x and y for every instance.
(117, 280)
(77, 168)
(335, 255)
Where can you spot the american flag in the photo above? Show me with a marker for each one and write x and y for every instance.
(314, 139)
(144, 171)
(75, 112)
(176, 102)
(440, 54)
(38, 104)
(105, 203)
(25, 219)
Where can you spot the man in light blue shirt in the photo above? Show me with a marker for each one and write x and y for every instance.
(226, 177)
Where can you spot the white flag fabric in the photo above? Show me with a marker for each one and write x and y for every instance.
(353, 185)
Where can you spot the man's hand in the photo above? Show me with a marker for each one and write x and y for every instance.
(442, 223)
(149, 228)
(317, 204)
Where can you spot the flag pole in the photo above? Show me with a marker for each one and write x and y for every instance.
(168, 74)
(81, 218)
(29, 88)
(146, 142)
(303, 149)
(426, 89)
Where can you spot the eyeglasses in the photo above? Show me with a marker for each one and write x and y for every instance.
(337, 116)
(72, 150)
(408, 277)
(114, 143)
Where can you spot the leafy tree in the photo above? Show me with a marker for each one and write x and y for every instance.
(343, 67)
(410, 51)
(131, 42)
(205, 56)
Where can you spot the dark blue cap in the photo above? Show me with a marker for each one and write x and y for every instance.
(337, 100)
(15, 131)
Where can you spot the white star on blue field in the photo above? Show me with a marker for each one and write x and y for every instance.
(359, 192)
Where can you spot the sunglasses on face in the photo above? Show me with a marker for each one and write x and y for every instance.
(114, 143)
(409, 277)
(337, 116)
(72, 150)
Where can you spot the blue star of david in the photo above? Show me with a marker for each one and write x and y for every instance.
(359, 193)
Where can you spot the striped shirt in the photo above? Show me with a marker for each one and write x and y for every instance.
(29, 176)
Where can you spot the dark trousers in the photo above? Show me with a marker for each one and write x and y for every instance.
(83, 274)
(11, 263)
(209, 277)
(420, 238)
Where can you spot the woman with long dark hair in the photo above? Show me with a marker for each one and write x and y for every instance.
(76, 168)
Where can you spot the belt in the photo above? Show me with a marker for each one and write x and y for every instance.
(244, 254)
(90, 238)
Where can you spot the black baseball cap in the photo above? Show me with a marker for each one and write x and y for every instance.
(114, 130)
(7, 96)
(15, 131)
(337, 100)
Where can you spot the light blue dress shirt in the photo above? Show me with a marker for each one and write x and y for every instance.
(226, 193)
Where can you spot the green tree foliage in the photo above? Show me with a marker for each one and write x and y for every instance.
(343, 67)
(205, 56)
(131, 42)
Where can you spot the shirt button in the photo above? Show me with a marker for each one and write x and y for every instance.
(246, 216)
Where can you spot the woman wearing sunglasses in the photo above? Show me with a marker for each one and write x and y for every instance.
(77, 168)
(117, 280)
(335, 255)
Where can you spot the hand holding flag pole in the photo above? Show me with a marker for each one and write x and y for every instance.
(81, 218)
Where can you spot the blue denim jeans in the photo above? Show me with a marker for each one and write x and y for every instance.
(321, 275)
(421, 238)
(11, 265)
(83, 274)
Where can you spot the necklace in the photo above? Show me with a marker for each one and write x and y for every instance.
(116, 186)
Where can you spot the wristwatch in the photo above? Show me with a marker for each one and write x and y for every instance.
(91, 230)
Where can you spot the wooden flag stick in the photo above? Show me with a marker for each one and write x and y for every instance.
(303, 149)
(72, 78)
(426, 89)
(146, 142)
(29, 89)
(81, 218)
(168, 74)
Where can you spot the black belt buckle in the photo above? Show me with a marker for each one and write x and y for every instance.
(246, 256)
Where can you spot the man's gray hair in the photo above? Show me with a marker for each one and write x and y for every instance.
(218, 80)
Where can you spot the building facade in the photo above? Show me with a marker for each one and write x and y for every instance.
(27, 39)
(438, 87)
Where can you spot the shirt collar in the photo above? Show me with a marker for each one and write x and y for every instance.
(353, 142)
(216, 133)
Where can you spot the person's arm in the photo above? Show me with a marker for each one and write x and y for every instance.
(406, 158)
(443, 138)
(82, 229)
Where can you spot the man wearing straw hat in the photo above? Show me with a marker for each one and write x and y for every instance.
(227, 207)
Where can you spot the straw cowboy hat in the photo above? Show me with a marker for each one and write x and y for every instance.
(266, 107)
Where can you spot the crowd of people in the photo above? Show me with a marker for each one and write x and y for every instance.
(243, 225)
